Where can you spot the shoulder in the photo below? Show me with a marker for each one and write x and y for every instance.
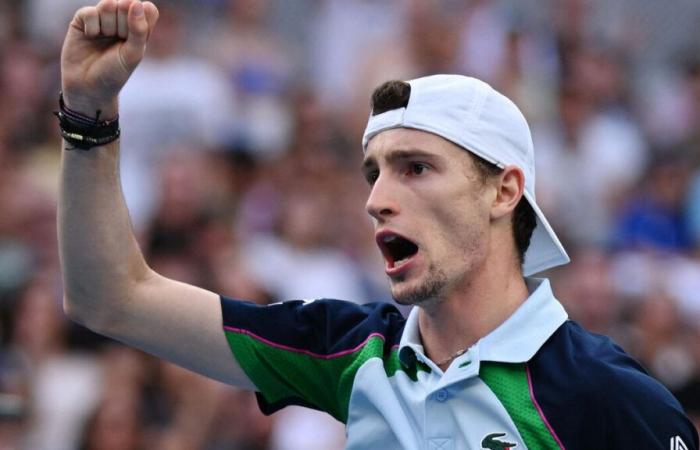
(308, 352)
(614, 398)
(592, 364)
(574, 348)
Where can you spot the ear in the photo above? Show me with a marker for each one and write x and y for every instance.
(510, 188)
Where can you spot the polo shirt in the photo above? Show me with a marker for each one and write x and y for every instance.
(538, 381)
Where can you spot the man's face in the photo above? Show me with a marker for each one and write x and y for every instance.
(431, 212)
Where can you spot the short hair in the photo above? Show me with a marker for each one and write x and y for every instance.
(395, 94)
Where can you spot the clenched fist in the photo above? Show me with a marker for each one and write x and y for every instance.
(103, 46)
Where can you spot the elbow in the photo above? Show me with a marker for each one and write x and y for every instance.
(95, 319)
(73, 312)
(103, 308)
(79, 314)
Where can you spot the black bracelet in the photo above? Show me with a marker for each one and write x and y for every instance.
(84, 132)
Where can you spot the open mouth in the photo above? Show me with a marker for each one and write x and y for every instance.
(397, 250)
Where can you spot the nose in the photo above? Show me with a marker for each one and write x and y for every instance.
(381, 203)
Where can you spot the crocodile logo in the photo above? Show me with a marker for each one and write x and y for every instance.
(493, 442)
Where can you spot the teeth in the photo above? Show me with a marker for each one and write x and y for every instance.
(388, 239)
(401, 261)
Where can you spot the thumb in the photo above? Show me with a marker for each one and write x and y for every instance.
(132, 50)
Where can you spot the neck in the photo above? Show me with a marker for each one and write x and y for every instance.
(470, 312)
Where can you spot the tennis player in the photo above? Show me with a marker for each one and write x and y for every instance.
(488, 358)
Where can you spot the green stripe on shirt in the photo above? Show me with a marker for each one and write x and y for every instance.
(510, 384)
(325, 382)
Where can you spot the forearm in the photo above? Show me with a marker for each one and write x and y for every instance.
(100, 258)
(107, 284)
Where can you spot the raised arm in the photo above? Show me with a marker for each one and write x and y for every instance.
(107, 284)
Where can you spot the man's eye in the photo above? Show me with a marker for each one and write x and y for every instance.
(417, 168)
(372, 176)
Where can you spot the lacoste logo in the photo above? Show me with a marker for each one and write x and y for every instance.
(490, 442)
(677, 443)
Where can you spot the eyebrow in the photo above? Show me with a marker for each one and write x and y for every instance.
(397, 155)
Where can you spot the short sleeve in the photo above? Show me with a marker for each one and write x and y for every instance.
(642, 413)
(593, 395)
(307, 353)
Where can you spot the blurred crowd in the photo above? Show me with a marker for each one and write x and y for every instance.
(240, 165)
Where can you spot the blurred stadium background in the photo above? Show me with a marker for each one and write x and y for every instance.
(240, 164)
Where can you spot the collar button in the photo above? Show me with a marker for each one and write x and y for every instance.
(441, 395)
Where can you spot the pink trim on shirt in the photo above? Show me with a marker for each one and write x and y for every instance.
(539, 410)
(299, 350)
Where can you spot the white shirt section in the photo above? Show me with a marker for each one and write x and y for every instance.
(397, 412)
(454, 410)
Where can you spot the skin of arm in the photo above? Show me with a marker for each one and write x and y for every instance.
(108, 285)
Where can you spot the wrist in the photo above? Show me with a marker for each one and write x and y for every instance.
(85, 132)
(108, 109)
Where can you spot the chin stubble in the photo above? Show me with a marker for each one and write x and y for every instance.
(427, 292)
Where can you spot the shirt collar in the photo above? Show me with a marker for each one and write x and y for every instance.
(516, 340)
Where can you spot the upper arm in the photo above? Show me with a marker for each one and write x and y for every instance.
(307, 353)
(642, 413)
(292, 353)
(594, 396)
(180, 323)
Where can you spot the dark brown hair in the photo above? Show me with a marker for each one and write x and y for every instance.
(393, 94)
(396, 94)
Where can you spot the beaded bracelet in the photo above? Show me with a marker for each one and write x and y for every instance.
(84, 132)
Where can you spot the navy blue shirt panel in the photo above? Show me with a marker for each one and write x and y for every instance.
(595, 396)
(322, 326)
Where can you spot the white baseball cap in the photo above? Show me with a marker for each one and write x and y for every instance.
(473, 115)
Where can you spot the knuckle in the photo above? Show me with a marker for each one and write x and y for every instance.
(84, 12)
(154, 9)
(107, 7)
(124, 5)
